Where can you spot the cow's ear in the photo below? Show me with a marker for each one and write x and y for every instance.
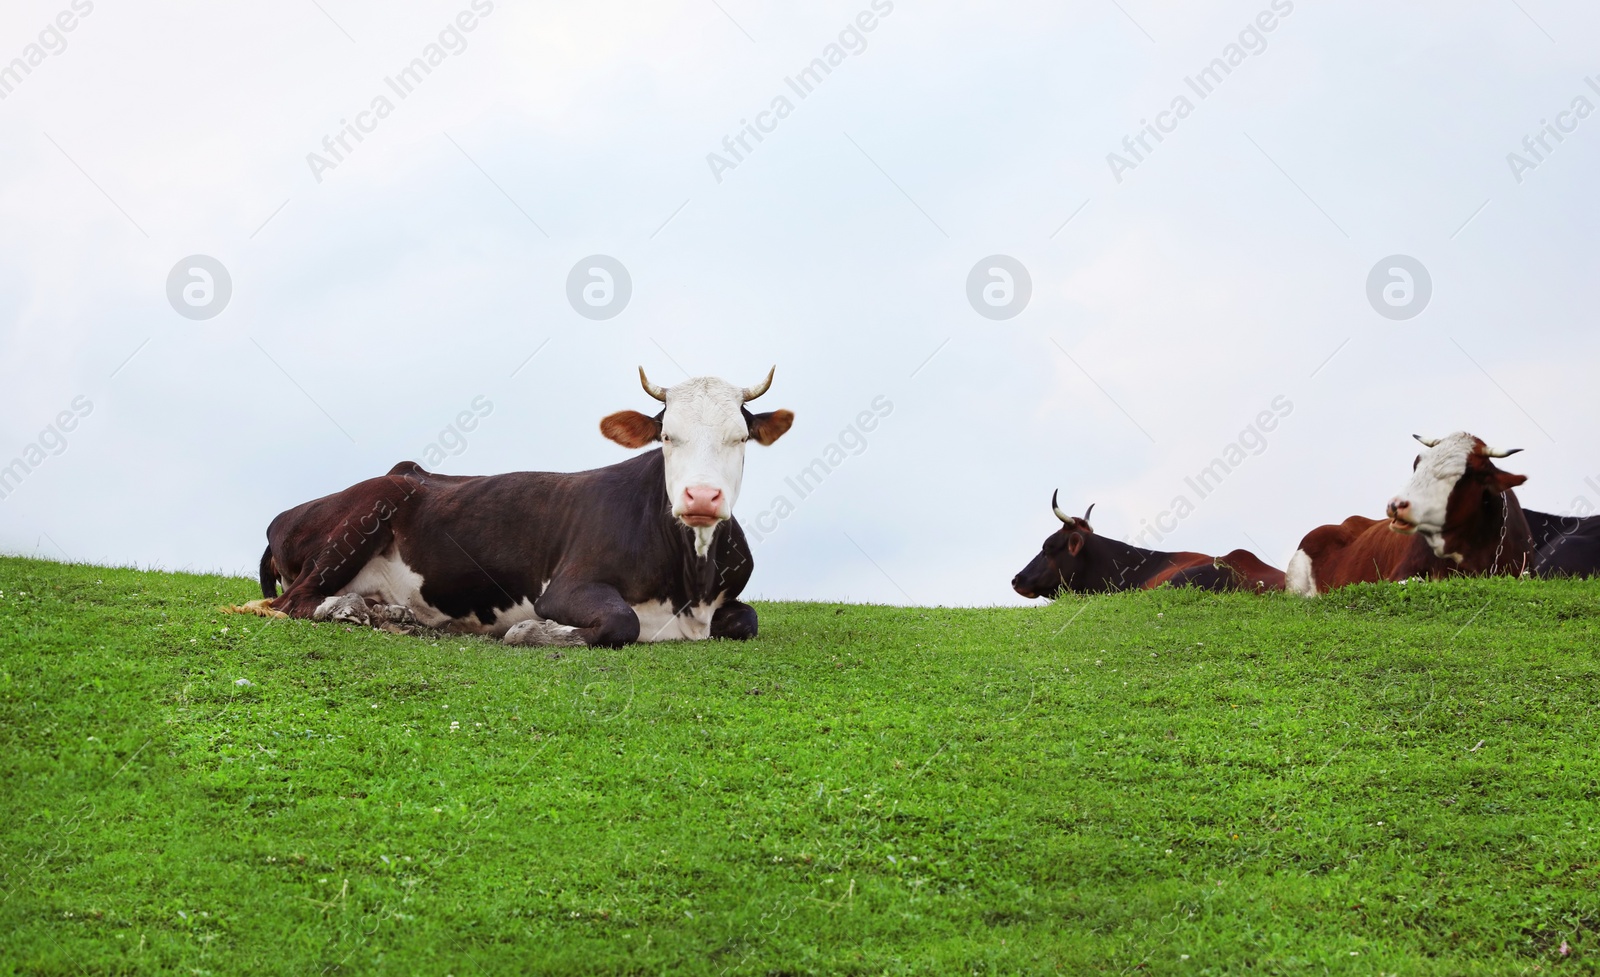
(1074, 544)
(1505, 481)
(767, 428)
(630, 428)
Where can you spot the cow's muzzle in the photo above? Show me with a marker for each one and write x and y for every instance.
(1019, 583)
(1400, 521)
(700, 506)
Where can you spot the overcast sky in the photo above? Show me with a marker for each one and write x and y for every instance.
(1178, 289)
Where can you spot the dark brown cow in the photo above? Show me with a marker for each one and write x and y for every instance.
(644, 550)
(1075, 558)
(1569, 546)
(1457, 515)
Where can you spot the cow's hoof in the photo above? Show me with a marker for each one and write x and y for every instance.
(394, 618)
(350, 609)
(542, 633)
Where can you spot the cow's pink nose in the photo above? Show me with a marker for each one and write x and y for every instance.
(1399, 511)
(702, 500)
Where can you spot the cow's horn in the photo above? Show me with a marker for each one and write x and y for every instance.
(659, 393)
(751, 393)
(1489, 452)
(1086, 514)
(1427, 442)
(1066, 519)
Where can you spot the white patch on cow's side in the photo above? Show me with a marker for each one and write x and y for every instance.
(1438, 470)
(1299, 578)
(657, 622)
(386, 578)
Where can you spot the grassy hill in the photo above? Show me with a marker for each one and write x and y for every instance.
(1394, 779)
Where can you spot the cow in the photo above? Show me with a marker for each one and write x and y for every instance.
(1567, 546)
(643, 550)
(1457, 515)
(1075, 558)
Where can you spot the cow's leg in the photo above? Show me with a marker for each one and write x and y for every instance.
(340, 556)
(543, 634)
(735, 620)
(366, 612)
(598, 612)
(349, 608)
(394, 617)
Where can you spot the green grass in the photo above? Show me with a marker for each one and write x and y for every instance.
(1388, 780)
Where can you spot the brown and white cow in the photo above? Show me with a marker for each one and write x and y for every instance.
(643, 550)
(1457, 515)
(1076, 558)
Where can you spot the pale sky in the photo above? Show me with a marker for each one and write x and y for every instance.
(1175, 296)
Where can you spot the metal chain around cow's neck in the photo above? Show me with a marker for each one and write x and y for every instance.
(1505, 523)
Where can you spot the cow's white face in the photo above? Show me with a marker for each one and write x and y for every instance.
(1452, 485)
(703, 430)
(1423, 504)
(703, 434)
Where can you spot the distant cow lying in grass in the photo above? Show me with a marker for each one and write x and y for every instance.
(1076, 559)
(1457, 515)
(1567, 546)
(643, 550)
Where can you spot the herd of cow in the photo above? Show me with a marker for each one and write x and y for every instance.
(648, 549)
(1459, 514)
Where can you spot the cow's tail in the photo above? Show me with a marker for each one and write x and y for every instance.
(269, 590)
(269, 575)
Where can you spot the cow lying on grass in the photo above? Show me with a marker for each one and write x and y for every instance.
(1567, 546)
(1075, 558)
(643, 550)
(1457, 515)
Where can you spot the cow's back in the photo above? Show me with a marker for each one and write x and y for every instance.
(466, 550)
(1238, 570)
(1358, 550)
(1574, 554)
(1546, 527)
(1176, 564)
(1253, 572)
(506, 536)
